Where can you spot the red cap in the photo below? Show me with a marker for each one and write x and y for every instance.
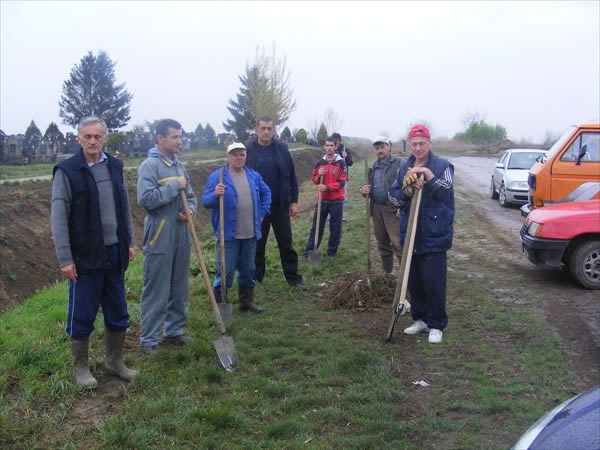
(419, 131)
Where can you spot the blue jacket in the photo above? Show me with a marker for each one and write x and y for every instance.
(288, 182)
(85, 225)
(261, 197)
(436, 214)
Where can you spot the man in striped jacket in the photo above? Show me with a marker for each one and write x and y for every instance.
(427, 276)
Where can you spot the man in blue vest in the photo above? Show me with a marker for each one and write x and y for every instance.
(427, 276)
(93, 235)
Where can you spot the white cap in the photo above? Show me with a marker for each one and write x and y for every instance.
(381, 140)
(235, 146)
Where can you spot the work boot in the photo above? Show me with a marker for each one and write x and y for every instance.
(247, 300)
(81, 370)
(387, 262)
(217, 293)
(113, 364)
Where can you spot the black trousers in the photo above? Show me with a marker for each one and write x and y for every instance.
(427, 287)
(279, 219)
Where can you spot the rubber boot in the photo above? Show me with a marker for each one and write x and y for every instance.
(114, 365)
(247, 300)
(387, 262)
(81, 370)
(217, 293)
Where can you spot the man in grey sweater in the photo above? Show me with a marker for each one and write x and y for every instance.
(93, 235)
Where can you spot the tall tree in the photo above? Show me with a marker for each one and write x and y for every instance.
(91, 90)
(270, 94)
(286, 135)
(53, 133)
(199, 131)
(33, 136)
(242, 120)
(322, 134)
(265, 91)
(209, 133)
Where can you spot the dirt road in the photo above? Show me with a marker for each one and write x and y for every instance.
(572, 311)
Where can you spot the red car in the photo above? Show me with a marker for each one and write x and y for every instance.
(566, 233)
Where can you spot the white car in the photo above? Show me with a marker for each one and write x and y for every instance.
(509, 180)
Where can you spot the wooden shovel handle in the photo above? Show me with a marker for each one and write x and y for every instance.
(211, 296)
(318, 216)
(222, 239)
(368, 222)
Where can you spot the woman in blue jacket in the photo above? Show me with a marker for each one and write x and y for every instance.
(246, 201)
(427, 276)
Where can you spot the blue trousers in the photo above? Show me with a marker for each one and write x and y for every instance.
(427, 287)
(239, 255)
(335, 211)
(102, 288)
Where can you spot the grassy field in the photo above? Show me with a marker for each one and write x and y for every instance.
(309, 376)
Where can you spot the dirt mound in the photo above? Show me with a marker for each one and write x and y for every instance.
(361, 291)
(27, 256)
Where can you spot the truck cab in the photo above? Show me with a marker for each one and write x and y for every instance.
(569, 171)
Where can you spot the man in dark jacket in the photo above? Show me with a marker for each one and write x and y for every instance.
(93, 236)
(427, 277)
(341, 150)
(272, 160)
(385, 222)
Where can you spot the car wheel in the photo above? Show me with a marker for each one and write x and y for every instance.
(585, 264)
(493, 192)
(502, 196)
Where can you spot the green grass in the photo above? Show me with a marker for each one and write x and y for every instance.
(308, 377)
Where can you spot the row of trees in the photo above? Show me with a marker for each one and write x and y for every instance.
(265, 91)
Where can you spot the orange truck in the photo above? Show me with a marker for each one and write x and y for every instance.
(569, 171)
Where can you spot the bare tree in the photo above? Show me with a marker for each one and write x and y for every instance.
(332, 120)
(470, 117)
(270, 93)
(313, 128)
(550, 137)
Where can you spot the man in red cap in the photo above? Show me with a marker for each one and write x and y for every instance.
(427, 276)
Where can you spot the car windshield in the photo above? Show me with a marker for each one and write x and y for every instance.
(523, 160)
(558, 144)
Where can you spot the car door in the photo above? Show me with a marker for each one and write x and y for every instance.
(500, 168)
(573, 180)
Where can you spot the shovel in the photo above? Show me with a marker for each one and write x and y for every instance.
(399, 306)
(314, 256)
(224, 346)
(368, 223)
(224, 307)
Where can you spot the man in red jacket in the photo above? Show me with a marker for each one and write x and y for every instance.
(329, 175)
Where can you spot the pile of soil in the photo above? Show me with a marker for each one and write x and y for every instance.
(27, 256)
(361, 291)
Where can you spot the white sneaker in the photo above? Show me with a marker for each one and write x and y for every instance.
(416, 327)
(435, 336)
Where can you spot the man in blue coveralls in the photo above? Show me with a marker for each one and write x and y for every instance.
(167, 240)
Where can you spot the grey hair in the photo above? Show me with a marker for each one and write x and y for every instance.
(90, 120)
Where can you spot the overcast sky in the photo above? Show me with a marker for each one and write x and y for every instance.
(530, 66)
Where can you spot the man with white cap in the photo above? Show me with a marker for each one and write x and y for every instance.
(385, 223)
(246, 201)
